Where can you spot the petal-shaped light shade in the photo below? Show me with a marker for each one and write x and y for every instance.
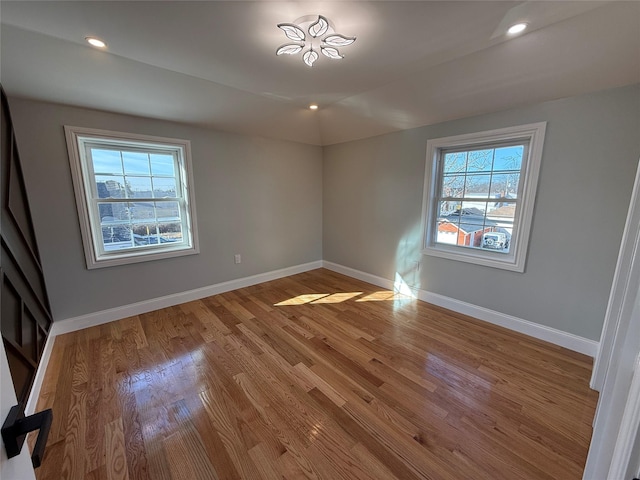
(289, 49)
(337, 40)
(319, 28)
(292, 31)
(331, 52)
(309, 57)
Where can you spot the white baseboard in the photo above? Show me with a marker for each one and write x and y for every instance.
(98, 318)
(105, 316)
(30, 408)
(536, 330)
(552, 335)
(365, 277)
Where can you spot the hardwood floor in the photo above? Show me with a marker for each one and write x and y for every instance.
(313, 376)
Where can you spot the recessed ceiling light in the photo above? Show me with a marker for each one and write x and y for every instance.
(313, 106)
(96, 42)
(517, 28)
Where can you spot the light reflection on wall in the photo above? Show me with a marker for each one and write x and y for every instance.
(407, 262)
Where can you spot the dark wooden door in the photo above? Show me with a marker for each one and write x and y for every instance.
(26, 315)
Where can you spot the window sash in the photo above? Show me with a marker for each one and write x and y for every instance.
(81, 143)
(441, 175)
(531, 135)
(182, 220)
(95, 200)
(175, 152)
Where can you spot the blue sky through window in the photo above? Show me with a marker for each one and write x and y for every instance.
(484, 160)
(111, 162)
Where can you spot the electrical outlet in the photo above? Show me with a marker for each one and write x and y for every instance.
(237, 258)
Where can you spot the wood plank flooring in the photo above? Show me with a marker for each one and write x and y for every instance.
(315, 376)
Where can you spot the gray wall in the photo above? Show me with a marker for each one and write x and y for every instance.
(257, 197)
(373, 199)
(358, 204)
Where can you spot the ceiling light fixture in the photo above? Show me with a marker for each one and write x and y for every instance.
(313, 106)
(517, 28)
(321, 38)
(96, 42)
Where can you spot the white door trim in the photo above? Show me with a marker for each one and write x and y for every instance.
(616, 361)
(628, 428)
(626, 283)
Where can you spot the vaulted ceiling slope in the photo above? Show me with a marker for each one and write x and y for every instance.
(414, 63)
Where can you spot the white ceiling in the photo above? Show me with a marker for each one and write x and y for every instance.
(414, 63)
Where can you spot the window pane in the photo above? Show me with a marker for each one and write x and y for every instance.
(447, 232)
(471, 223)
(116, 237)
(164, 187)
(504, 214)
(167, 211)
(496, 240)
(505, 185)
(447, 208)
(477, 185)
(170, 232)
(141, 211)
(145, 234)
(162, 164)
(480, 160)
(474, 235)
(135, 163)
(455, 162)
(139, 187)
(106, 161)
(110, 186)
(467, 225)
(473, 210)
(111, 212)
(453, 186)
(508, 158)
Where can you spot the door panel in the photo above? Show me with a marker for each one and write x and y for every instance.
(26, 315)
(19, 467)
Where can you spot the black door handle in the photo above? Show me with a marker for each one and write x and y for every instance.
(15, 429)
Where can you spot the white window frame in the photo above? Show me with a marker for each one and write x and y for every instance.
(86, 196)
(515, 259)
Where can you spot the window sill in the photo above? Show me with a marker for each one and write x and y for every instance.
(138, 256)
(478, 257)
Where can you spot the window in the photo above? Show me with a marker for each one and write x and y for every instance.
(134, 195)
(479, 195)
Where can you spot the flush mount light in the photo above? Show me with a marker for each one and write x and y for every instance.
(96, 42)
(313, 106)
(321, 38)
(310, 56)
(517, 28)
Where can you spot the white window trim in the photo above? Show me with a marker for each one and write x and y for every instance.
(81, 182)
(516, 258)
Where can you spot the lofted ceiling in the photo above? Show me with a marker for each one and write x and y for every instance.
(414, 63)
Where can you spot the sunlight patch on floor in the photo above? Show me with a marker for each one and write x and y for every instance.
(316, 298)
(401, 292)
(302, 299)
(380, 296)
(338, 297)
